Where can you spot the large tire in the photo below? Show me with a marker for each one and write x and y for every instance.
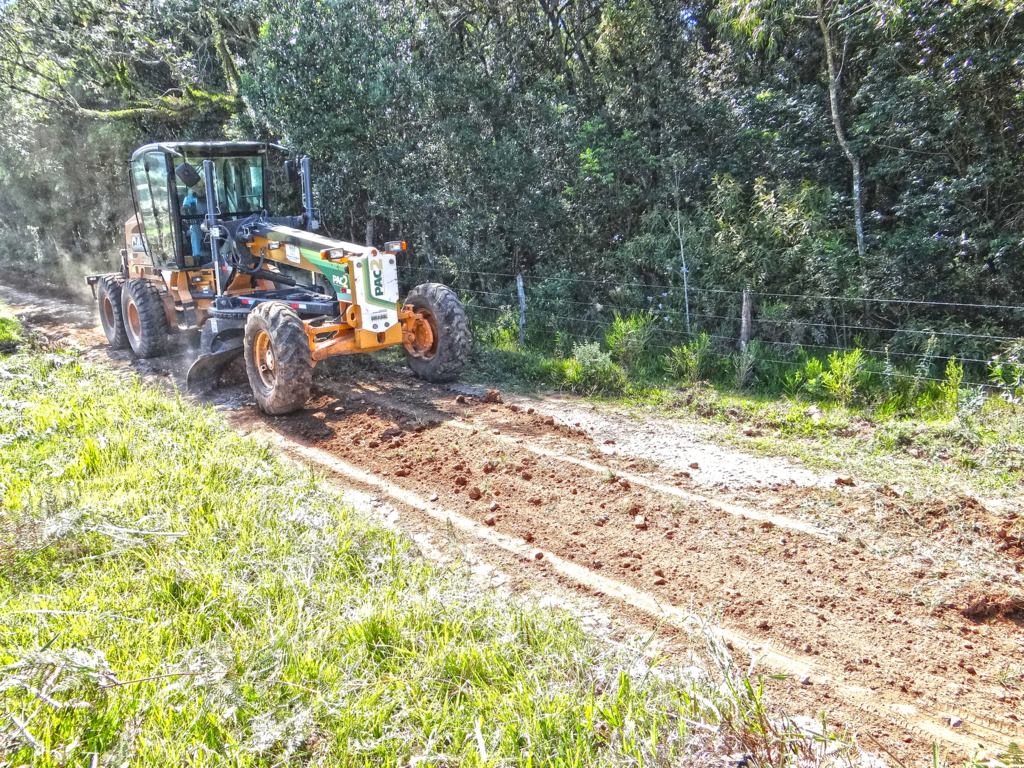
(277, 359)
(450, 326)
(108, 296)
(145, 320)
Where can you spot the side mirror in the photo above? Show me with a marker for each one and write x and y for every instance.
(291, 171)
(188, 175)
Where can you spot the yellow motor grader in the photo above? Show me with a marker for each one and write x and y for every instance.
(203, 255)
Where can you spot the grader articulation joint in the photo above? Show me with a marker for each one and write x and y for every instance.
(202, 256)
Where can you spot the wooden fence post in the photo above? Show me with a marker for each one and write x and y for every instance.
(522, 310)
(745, 320)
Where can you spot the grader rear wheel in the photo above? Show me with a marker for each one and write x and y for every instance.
(144, 319)
(108, 297)
(437, 352)
(277, 359)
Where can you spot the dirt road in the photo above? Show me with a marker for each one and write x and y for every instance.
(899, 619)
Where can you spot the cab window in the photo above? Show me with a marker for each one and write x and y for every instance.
(151, 175)
(239, 184)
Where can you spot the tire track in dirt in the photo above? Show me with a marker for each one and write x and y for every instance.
(925, 721)
(409, 415)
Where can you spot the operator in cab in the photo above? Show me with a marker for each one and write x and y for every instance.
(194, 204)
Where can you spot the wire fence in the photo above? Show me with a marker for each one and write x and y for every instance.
(895, 329)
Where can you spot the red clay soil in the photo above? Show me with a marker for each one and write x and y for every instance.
(854, 612)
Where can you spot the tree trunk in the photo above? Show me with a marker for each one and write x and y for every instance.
(834, 74)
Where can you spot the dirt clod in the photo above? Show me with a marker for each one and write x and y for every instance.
(694, 465)
(844, 480)
(493, 396)
(538, 555)
(474, 493)
(461, 399)
(490, 520)
(640, 522)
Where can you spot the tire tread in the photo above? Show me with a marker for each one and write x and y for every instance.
(152, 318)
(291, 351)
(453, 327)
(113, 286)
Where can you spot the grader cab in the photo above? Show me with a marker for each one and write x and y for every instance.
(203, 256)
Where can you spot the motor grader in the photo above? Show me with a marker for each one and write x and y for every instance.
(203, 257)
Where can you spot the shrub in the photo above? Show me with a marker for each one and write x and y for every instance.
(591, 370)
(843, 377)
(693, 362)
(812, 377)
(950, 387)
(629, 338)
(1007, 372)
(749, 362)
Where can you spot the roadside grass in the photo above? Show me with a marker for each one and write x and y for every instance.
(941, 439)
(10, 329)
(171, 593)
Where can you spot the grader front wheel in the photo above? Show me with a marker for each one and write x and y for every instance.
(277, 358)
(438, 340)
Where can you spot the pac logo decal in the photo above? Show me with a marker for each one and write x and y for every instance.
(377, 270)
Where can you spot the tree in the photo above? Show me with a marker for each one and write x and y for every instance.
(762, 23)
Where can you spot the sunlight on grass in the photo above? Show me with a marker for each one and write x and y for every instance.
(172, 593)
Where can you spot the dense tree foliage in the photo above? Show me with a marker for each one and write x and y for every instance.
(591, 144)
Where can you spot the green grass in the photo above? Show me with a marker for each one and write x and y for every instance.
(10, 329)
(934, 439)
(171, 593)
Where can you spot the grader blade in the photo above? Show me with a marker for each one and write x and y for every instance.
(203, 373)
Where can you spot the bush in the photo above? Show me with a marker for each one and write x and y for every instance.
(629, 339)
(750, 362)
(591, 370)
(693, 362)
(844, 375)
